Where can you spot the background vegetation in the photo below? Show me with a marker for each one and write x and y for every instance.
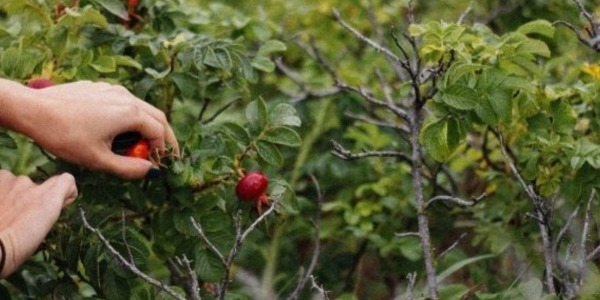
(415, 149)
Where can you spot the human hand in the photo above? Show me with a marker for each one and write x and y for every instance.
(78, 122)
(28, 213)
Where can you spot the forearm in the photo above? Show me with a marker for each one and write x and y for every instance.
(18, 107)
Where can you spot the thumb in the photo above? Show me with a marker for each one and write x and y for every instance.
(62, 188)
(128, 167)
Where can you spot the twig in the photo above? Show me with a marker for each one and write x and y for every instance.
(380, 123)
(129, 266)
(345, 154)
(454, 245)
(540, 216)
(212, 247)
(219, 111)
(193, 288)
(406, 234)
(317, 247)
(412, 278)
(455, 200)
(319, 288)
(563, 231)
(584, 235)
(465, 13)
(363, 38)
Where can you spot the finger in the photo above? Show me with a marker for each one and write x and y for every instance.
(151, 129)
(160, 117)
(61, 188)
(126, 167)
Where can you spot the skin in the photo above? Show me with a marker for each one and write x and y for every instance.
(76, 122)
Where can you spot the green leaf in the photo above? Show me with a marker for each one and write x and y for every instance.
(434, 138)
(104, 64)
(263, 63)
(256, 112)
(532, 46)
(269, 153)
(114, 7)
(156, 74)
(541, 27)
(284, 115)
(271, 46)
(461, 264)
(208, 267)
(486, 113)
(532, 289)
(501, 103)
(6, 141)
(282, 136)
(183, 224)
(126, 61)
(457, 71)
(564, 117)
(460, 97)
(238, 133)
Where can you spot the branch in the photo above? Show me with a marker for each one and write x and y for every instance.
(455, 200)
(454, 245)
(128, 265)
(584, 235)
(387, 52)
(317, 248)
(212, 247)
(407, 234)
(345, 154)
(319, 288)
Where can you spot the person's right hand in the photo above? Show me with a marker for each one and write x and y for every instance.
(27, 213)
(78, 122)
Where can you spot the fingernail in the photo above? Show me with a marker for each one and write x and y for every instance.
(153, 173)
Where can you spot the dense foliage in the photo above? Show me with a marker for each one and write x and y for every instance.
(439, 149)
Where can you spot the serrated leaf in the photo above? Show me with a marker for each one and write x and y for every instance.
(263, 63)
(564, 117)
(114, 7)
(271, 46)
(460, 97)
(532, 289)
(269, 153)
(223, 58)
(532, 46)
(434, 138)
(283, 136)
(501, 103)
(6, 141)
(541, 27)
(104, 64)
(238, 133)
(486, 113)
(284, 115)
(457, 71)
(208, 267)
(183, 224)
(256, 112)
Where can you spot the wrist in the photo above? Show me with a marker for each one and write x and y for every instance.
(20, 110)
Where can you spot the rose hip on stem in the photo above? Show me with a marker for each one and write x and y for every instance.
(253, 187)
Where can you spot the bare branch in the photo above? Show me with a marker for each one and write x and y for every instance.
(407, 234)
(465, 13)
(193, 287)
(317, 247)
(379, 48)
(584, 236)
(345, 154)
(319, 288)
(454, 245)
(368, 96)
(455, 200)
(412, 278)
(563, 231)
(128, 265)
(381, 123)
(212, 247)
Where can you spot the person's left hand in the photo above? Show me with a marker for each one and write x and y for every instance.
(28, 212)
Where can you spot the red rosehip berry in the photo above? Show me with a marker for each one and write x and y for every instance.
(141, 149)
(40, 83)
(252, 187)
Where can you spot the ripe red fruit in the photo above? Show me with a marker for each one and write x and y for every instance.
(252, 186)
(40, 83)
(141, 149)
